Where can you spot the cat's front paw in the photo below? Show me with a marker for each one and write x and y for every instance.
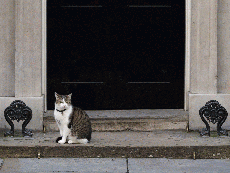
(61, 141)
(70, 142)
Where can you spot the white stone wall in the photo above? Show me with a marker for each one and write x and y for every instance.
(223, 46)
(203, 60)
(28, 47)
(7, 48)
(21, 58)
(210, 77)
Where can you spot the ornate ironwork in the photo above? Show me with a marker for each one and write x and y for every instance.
(18, 111)
(215, 113)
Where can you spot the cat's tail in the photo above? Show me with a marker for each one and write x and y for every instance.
(78, 141)
(58, 139)
(89, 135)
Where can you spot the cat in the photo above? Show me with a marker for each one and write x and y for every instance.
(74, 124)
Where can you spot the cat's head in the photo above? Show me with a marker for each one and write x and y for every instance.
(62, 101)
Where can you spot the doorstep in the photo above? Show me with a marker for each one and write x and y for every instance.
(135, 120)
(177, 144)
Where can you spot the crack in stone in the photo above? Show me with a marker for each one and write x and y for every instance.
(127, 165)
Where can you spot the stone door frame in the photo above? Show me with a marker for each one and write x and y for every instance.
(44, 53)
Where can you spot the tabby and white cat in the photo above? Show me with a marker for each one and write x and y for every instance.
(73, 122)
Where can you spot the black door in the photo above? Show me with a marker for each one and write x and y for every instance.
(116, 56)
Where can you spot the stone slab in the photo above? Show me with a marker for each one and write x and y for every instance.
(35, 103)
(135, 113)
(196, 101)
(164, 138)
(136, 120)
(153, 165)
(83, 165)
(99, 165)
(158, 144)
(138, 113)
(123, 124)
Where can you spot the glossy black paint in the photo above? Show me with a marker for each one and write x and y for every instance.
(111, 55)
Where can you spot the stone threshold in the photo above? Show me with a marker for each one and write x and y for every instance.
(135, 120)
(176, 144)
(132, 113)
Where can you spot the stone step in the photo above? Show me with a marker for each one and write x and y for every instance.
(176, 144)
(131, 120)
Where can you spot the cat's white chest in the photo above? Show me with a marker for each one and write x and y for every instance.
(62, 118)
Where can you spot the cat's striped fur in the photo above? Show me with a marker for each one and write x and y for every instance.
(74, 124)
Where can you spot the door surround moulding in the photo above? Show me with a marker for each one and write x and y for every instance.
(188, 17)
(44, 54)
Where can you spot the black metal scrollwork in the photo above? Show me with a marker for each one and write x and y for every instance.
(18, 111)
(215, 113)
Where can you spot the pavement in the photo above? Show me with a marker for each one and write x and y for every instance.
(114, 165)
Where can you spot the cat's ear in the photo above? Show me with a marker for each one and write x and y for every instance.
(56, 95)
(70, 95)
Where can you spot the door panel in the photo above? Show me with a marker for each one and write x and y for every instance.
(116, 56)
